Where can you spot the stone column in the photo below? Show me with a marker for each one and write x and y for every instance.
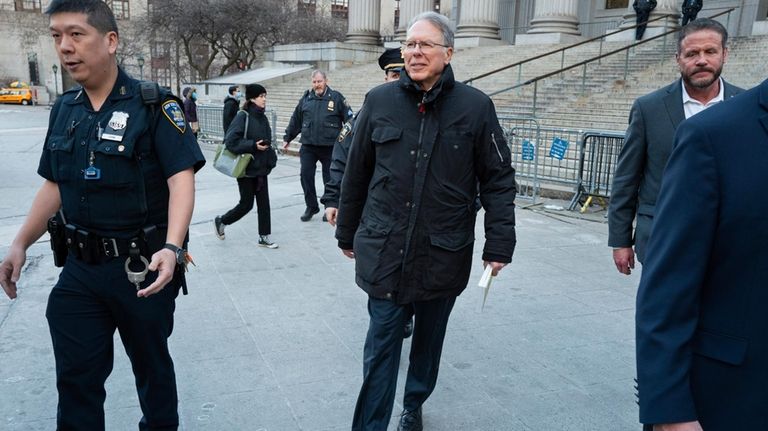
(364, 22)
(408, 10)
(555, 16)
(479, 19)
(554, 21)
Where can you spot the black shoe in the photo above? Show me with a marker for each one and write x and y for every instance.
(410, 421)
(408, 328)
(218, 227)
(309, 213)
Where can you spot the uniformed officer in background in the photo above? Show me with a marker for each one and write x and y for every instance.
(318, 116)
(118, 162)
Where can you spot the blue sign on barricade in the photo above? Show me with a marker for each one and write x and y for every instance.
(528, 150)
(558, 149)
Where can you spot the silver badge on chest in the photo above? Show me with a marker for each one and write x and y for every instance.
(116, 127)
(119, 120)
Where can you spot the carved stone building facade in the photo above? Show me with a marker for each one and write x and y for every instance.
(481, 22)
(27, 52)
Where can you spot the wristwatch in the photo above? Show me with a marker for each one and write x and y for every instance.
(181, 254)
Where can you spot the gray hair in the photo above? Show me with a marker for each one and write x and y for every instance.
(439, 21)
(319, 72)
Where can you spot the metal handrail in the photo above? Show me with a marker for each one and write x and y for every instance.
(528, 60)
(598, 57)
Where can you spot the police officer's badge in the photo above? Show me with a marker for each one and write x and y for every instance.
(175, 115)
(330, 105)
(119, 120)
(115, 127)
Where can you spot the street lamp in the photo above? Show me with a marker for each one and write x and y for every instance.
(140, 60)
(55, 80)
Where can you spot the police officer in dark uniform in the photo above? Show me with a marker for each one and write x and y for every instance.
(643, 10)
(690, 9)
(118, 162)
(318, 116)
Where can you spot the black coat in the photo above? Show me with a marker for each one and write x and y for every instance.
(318, 118)
(231, 106)
(701, 323)
(413, 172)
(338, 165)
(258, 129)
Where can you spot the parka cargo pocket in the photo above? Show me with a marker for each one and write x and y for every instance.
(450, 259)
(331, 130)
(371, 241)
(306, 128)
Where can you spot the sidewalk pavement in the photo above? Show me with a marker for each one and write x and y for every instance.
(272, 340)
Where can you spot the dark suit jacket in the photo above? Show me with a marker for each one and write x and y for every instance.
(702, 325)
(647, 144)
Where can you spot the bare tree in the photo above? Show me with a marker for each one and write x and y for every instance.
(235, 32)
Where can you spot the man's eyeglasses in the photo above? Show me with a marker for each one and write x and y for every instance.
(410, 46)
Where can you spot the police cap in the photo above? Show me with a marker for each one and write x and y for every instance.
(391, 59)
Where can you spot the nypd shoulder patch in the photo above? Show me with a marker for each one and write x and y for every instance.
(175, 115)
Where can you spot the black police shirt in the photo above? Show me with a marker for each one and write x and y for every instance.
(111, 173)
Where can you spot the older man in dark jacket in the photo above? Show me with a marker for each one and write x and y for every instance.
(421, 147)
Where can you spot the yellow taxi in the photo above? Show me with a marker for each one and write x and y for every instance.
(16, 95)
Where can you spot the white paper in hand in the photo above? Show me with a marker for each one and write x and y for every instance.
(485, 283)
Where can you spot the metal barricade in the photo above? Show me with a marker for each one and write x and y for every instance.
(522, 135)
(597, 166)
(211, 129)
(209, 118)
(555, 155)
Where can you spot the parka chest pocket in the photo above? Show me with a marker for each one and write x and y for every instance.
(62, 160)
(116, 162)
(454, 152)
(457, 141)
(386, 134)
(387, 152)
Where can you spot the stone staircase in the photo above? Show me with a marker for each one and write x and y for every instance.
(600, 100)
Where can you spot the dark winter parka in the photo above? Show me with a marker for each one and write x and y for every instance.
(318, 118)
(231, 106)
(407, 197)
(258, 129)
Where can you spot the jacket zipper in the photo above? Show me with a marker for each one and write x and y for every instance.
(421, 130)
(493, 138)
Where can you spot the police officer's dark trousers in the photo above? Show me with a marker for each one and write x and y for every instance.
(309, 155)
(85, 307)
(382, 358)
(251, 188)
(642, 17)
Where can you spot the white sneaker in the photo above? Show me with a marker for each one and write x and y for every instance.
(265, 242)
